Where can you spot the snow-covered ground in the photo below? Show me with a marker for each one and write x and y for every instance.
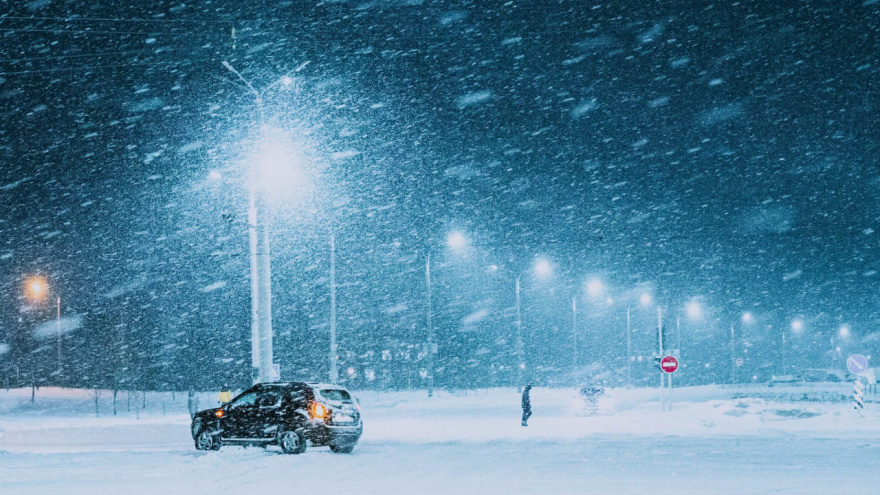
(796, 440)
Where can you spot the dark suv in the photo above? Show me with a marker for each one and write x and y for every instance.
(285, 414)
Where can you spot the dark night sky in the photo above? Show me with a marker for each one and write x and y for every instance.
(725, 151)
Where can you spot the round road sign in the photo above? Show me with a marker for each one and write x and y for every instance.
(857, 364)
(669, 364)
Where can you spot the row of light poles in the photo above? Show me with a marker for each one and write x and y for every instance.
(260, 269)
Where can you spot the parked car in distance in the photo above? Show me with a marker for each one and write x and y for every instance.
(824, 375)
(287, 414)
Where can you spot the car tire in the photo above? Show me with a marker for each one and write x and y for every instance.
(291, 441)
(341, 448)
(207, 439)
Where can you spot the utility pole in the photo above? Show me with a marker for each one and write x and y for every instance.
(334, 372)
(255, 284)
(519, 341)
(628, 348)
(574, 354)
(732, 356)
(430, 349)
(58, 331)
(660, 346)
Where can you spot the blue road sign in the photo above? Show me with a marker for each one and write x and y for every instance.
(857, 364)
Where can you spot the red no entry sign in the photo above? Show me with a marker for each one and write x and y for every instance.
(669, 364)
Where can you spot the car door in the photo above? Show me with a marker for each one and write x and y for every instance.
(267, 413)
(239, 416)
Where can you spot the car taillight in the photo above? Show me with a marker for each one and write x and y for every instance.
(319, 411)
(219, 413)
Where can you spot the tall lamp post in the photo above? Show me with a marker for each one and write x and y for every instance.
(430, 322)
(260, 257)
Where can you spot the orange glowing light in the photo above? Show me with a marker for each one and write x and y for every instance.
(36, 288)
(219, 413)
(318, 410)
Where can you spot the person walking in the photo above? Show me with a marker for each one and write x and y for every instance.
(526, 405)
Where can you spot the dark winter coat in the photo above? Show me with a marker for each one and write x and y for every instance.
(526, 401)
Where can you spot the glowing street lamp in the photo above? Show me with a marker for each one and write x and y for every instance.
(844, 331)
(260, 256)
(543, 268)
(797, 325)
(595, 288)
(36, 288)
(694, 310)
(456, 240)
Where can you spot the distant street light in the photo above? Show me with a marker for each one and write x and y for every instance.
(844, 331)
(694, 310)
(543, 268)
(595, 288)
(456, 240)
(36, 288)
(797, 325)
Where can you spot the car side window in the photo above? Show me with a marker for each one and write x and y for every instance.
(298, 397)
(269, 399)
(244, 401)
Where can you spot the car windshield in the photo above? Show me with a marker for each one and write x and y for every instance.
(335, 394)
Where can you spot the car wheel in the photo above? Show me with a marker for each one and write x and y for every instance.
(291, 442)
(207, 439)
(343, 448)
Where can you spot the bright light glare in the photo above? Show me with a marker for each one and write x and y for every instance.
(595, 287)
(797, 325)
(747, 317)
(280, 167)
(543, 268)
(645, 299)
(694, 310)
(844, 331)
(456, 240)
(36, 288)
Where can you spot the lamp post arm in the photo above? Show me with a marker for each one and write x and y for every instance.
(247, 83)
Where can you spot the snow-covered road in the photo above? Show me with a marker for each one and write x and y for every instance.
(459, 444)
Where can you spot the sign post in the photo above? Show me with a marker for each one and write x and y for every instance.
(669, 365)
(857, 364)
